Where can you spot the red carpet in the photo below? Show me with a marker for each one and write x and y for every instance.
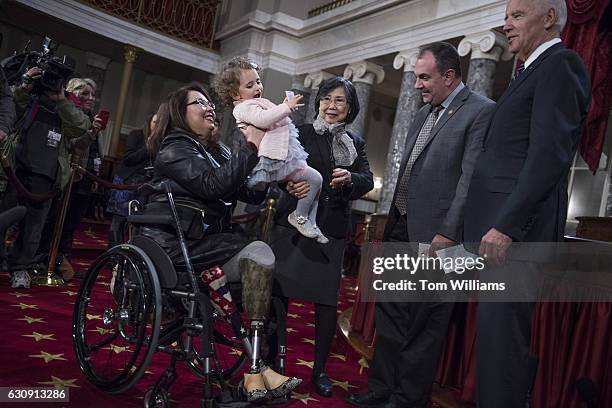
(36, 348)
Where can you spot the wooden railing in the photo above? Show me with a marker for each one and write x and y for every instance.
(327, 7)
(192, 21)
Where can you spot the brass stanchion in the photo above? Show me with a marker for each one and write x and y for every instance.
(51, 279)
(266, 228)
(366, 228)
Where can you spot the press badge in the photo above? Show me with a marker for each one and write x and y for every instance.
(53, 138)
(97, 162)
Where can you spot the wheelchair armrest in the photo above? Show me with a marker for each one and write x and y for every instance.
(144, 219)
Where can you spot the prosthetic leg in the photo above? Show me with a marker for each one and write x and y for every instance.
(256, 294)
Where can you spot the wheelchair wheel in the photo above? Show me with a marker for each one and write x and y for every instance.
(228, 352)
(116, 319)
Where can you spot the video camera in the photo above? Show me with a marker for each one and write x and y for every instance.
(55, 70)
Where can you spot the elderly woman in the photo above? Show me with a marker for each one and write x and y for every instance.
(206, 186)
(305, 269)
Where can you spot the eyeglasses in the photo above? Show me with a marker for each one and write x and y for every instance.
(339, 102)
(204, 103)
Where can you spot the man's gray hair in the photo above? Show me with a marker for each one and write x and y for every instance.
(560, 10)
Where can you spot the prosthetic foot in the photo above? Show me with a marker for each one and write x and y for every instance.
(277, 384)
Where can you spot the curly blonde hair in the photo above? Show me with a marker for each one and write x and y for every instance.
(228, 81)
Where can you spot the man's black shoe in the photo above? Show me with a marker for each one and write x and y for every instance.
(322, 385)
(369, 399)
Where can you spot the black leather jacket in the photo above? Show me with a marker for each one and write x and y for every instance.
(205, 182)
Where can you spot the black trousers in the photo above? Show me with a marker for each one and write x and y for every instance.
(505, 368)
(409, 340)
(23, 252)
(77, 206)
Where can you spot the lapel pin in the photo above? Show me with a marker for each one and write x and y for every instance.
(450, 112)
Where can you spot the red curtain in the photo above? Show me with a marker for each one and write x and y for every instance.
(588, 33)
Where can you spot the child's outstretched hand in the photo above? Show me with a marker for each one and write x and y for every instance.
(294, 103)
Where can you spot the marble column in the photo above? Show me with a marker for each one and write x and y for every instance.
(312, 82)
(486, 49)
(408, 104)
(297, 86)
(129, 56)
(363, 74)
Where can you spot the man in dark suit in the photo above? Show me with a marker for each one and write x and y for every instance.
(519, 187)
(443, 143)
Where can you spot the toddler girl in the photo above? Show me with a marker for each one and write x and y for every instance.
(282, 157)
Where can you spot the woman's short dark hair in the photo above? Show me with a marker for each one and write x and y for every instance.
(171, 114)
(329, 85)
(446, 56)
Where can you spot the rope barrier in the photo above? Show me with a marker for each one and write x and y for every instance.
(106, 183)
(21, 190)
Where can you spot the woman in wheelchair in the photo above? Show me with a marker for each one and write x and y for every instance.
(206, 179)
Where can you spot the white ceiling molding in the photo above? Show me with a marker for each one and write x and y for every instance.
(124, 32)
(360, 30)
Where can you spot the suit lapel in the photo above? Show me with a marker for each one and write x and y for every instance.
(530, 69)
(454, 106)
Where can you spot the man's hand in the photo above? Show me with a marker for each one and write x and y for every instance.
(340, 177)
(252, 134)
(30, 76)
(493, 247)
(298, 189)
(3, 135)
(440, 242)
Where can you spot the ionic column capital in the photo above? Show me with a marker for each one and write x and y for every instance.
(364, 71)
(406, 59)
(488, 44)
(297, 82)
(129, 54)
(314, 79)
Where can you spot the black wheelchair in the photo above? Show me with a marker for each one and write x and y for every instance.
(131, 305)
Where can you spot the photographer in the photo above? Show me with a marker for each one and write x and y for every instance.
(47, 122)
(85, 151)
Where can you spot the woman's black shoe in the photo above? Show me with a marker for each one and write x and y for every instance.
(322, 385)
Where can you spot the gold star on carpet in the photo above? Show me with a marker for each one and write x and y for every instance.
(309, 364)
(70, 292)
(19, 294)
(303, 397)
(311, 311)
(363, 363)
(295, 316)
(338, 356)
(48, 356)
(305, 340)
(310, 324)
(117, 349)
(31, 320)
(235, 352)
(38, 337)
(291, 330)
(102, 330)
(342, 384)
(93, 317)
(59, 383)
(298, 304)
(23, 306)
